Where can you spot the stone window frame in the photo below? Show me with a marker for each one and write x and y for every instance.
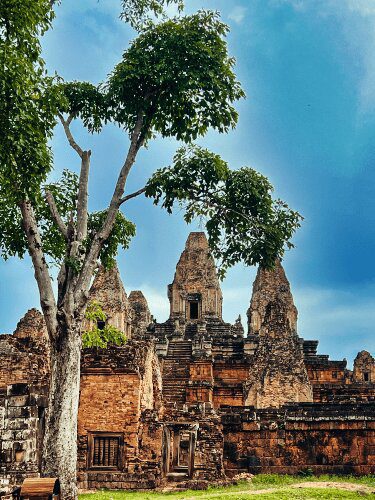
(90, 455)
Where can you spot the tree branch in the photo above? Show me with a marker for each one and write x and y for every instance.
(83, 196)
(132, 195)
(83, 283)
(47, 298)
(55, 214)
(71, 140)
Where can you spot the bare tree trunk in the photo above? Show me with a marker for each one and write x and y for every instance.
(60, 442)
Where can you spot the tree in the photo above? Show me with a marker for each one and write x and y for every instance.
(175, 79)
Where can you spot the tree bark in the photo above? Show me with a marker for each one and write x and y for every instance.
(60, 441)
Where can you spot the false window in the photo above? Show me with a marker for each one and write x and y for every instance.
(104, 451)
(334, 374)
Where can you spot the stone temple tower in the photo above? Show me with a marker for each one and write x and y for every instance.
(108, 290)
(278, 374)
(195, 293)
(270, 286)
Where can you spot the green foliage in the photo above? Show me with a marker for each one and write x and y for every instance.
(94, 312)
(12, 238)
(13, 241)
(179, 76)
(27, 116)
(244, 223)
(121, 235)
(64, 192)
(138, 12)
(101, 337)
(86, 101)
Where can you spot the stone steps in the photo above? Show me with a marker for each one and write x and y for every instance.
(176, 368)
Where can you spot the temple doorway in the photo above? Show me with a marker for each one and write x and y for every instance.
(178, 450)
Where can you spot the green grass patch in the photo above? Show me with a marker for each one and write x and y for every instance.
(279, 487)
(264, 480)
(300, 494)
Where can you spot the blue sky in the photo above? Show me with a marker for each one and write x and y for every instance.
(308, 123)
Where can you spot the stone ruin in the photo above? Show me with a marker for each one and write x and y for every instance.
(193, 400)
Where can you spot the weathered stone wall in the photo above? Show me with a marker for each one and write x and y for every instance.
(200, 381)
(21, 434)
(323, 371)
(230, 376)
(337, 439)
(336, 393)
(278, 374)
(24, 355)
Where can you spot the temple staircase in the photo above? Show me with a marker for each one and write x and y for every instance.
(176, 367)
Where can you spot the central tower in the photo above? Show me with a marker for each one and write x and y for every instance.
(195, 293)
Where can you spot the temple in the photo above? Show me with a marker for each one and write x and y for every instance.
(194, 399)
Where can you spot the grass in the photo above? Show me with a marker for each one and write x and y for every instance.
(279, 486)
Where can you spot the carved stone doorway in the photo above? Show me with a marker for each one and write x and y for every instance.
(178, 450)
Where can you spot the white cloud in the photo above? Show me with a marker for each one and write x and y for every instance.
(171, 10)
(157, 300)
(299, 5)
(237, 14)
(342, 320)
(363, 7)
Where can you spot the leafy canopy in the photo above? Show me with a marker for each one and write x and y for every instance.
(27, 115)
(243, 222)
(177, 75)
(178, 78)
(27, 118)
(13, 241)
(138, 13)
(101, 337)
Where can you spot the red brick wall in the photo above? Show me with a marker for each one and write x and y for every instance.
(330, 441)
(109, 402)
(325, 374)
(228, 386)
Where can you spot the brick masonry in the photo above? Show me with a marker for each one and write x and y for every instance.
(193, 399)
